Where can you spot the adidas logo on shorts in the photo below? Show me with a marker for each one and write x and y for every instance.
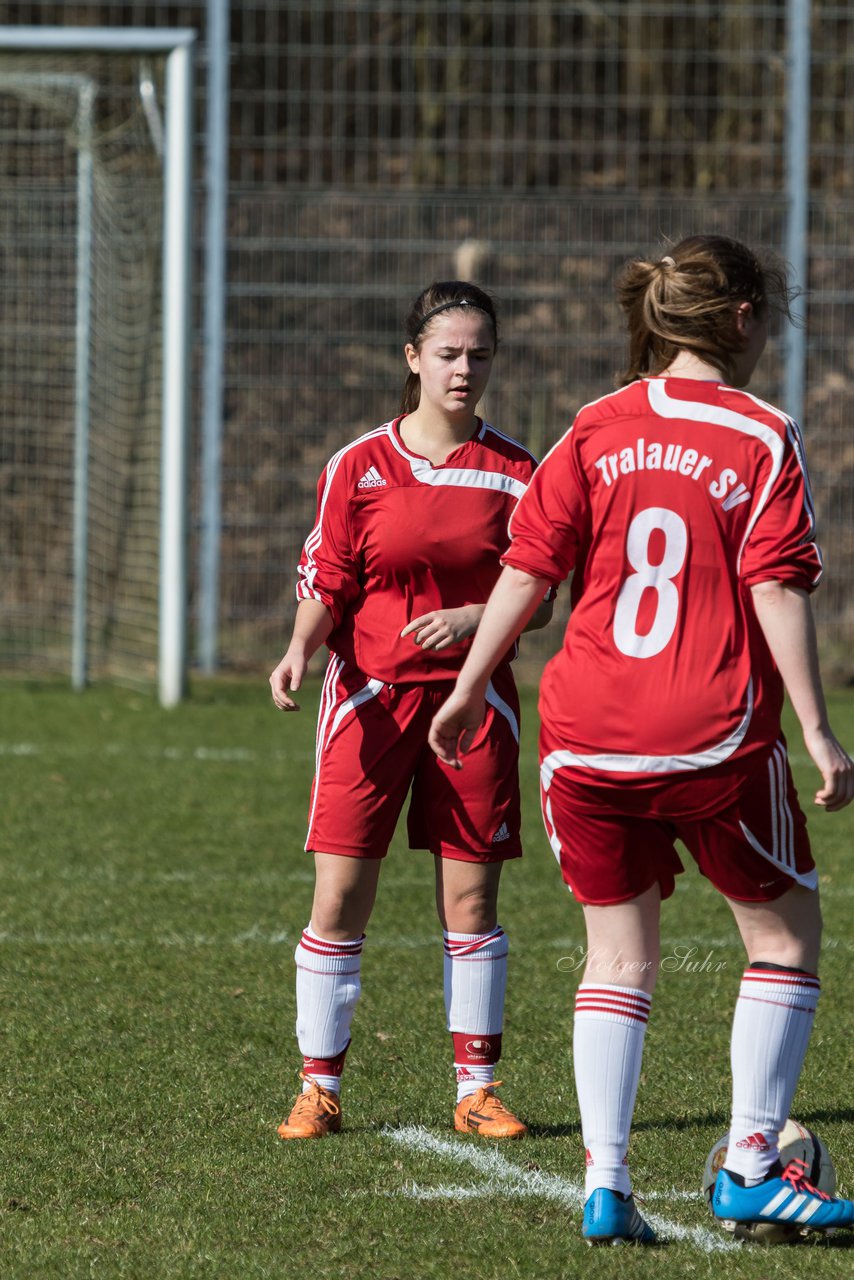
(371, 480)
(503, 833)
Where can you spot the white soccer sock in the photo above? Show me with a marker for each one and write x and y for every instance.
(475, 982)
(771, 1028)
(328, 989)
(609, 1028)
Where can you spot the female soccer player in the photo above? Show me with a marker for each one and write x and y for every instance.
(681, 505)
(411, 521)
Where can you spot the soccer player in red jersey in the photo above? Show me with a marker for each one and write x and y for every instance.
(411, 523)
(681, 505)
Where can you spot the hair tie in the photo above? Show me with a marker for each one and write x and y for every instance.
(667, 262)
(445, 306)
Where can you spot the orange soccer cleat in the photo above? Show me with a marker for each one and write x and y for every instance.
(485, 1114)
(316, 1113)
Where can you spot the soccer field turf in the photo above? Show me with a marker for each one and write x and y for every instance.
(154, 887)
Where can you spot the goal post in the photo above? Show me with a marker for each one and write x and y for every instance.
(51, 77)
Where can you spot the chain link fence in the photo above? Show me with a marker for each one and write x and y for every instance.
(532, 147)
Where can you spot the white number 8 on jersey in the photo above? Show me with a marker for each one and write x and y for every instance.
(657, 577)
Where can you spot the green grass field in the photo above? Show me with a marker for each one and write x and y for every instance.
(153, 888)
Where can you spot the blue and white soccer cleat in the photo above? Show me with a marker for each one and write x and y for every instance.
(612, 1218)
(786, 1198)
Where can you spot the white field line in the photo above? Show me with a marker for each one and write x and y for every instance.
(111, 873)
(67, 941)
(503, 1178)
(216, 755)
(236, 755)
(255, 935)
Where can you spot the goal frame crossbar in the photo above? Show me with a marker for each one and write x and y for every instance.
(178, 47)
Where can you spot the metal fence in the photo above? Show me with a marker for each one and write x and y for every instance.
(532, 146)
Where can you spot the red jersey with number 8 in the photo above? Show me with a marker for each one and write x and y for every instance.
(667, 500)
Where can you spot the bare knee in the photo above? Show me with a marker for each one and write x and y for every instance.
(623, 944)
(469, 913)
(467, 896)
(336, 918)
(785, 932)
(344, 894)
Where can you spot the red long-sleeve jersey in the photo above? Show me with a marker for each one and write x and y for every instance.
(396, 537)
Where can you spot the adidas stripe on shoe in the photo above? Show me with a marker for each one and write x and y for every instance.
(783, 1197)
(482, 1113)
(612, 1218)
(316, 1113)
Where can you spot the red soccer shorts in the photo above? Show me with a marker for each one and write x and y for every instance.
(746, 832)
(372, 749)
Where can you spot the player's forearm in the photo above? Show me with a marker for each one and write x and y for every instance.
(541, 616)
(513, 602)
(785, 616)
(312, 625)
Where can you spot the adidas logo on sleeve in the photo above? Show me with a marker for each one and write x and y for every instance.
(371, 480)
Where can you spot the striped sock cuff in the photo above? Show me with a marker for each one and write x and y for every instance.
(321, 956)
(792, 988)
(459, 946)
(612, 1004)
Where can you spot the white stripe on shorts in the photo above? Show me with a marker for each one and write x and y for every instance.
(368, 691)
(786, 819)
(503, 708)
(782, 852)
(327, 703)
(325, 733)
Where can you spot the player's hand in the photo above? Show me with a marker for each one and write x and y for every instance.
(836, 768)
(286, 679)
(441, 628)
(454, 727)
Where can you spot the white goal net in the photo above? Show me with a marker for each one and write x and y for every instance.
(81, 237)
